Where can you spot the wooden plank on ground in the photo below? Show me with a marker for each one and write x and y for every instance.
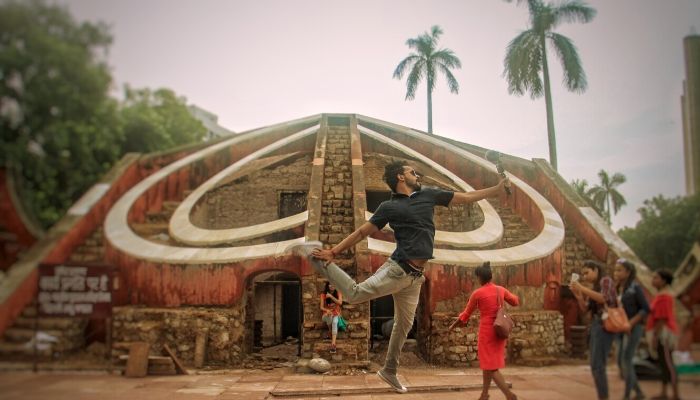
(178, 365)
(137, 364)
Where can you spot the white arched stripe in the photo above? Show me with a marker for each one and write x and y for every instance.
(120, 235)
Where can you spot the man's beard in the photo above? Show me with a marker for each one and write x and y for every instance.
(414, 187)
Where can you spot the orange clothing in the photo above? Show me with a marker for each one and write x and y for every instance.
(662, 309)
(331, 304)
(491, 348)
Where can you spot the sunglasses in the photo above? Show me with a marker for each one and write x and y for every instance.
(412, 172)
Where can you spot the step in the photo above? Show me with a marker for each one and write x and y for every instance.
(22, 335)
(25, 349)
(149, 229)
(374, 385)
(170, 205)
(50, 323)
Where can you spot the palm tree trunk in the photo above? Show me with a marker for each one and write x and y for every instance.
(550, 113)
(607, 200)
(430, 109)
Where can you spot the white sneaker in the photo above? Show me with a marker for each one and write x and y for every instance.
(392, 380)
(304, 250)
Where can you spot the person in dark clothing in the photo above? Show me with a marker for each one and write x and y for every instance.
(637, 308)
(409, 212)
(603, 292)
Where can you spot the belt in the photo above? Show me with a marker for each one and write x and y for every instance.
(409, 268)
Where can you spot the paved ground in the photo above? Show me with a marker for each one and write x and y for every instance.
(561, 382)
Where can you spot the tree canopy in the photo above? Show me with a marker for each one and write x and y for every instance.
(59, 128)
(666, 231)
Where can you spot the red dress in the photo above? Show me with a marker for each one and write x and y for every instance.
(491, 348)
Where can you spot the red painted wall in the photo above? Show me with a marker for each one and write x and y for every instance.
(12, 224)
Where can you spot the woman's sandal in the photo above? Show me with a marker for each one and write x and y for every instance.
(484, 396)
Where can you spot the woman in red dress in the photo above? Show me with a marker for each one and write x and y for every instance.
(491, 348)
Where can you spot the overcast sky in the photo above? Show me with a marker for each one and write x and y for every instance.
(255, 63)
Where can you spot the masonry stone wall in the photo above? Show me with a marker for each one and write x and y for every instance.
(536, 334)
(576, 252)
(179, 327)
(337, 221)
(252, 199)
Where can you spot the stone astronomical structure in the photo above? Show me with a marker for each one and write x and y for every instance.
(199, 239)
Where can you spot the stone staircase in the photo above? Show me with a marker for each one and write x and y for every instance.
(56, 336)
(155, 227)
(91, 250)
(515, 230)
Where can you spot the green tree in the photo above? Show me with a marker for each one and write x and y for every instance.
(581, 187)
(666, 231)
(605, 196)
(58, 126)
(157, 120)
(425, 62)
(526, 56)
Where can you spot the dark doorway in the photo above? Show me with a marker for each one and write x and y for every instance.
(291, 310)
(375, 198)
(275, 310)
(291, 203)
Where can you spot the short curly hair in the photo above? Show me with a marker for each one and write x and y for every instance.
(391, 171)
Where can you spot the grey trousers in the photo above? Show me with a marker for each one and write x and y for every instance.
(389, 279)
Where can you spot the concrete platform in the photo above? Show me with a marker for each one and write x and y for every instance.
(562, 382)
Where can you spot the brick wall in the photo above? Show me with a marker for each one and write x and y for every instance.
(252, 199)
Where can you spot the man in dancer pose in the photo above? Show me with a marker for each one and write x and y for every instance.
(409, 212)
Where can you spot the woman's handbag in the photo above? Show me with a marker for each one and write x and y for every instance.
(342, 324)
(616, 321)
(503, 324)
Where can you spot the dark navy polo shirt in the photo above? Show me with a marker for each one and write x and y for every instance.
(411, 218)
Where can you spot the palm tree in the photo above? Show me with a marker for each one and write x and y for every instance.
(426, 61)
(606, 193)
(526, 56)
(580, 186)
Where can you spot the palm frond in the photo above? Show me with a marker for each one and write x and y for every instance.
(414, 78)
(573, 11)
(617, 179)
(435, 33)
(574, 75)
(523, 63)
(597, 196)
(405, 64)
(543, 18)
(413, 43)
(617, 200)
(447, 58)
(425, 45)
(451, 80)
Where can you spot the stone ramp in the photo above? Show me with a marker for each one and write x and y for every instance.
(298, 386)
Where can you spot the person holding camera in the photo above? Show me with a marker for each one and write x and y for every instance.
(594, 300)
